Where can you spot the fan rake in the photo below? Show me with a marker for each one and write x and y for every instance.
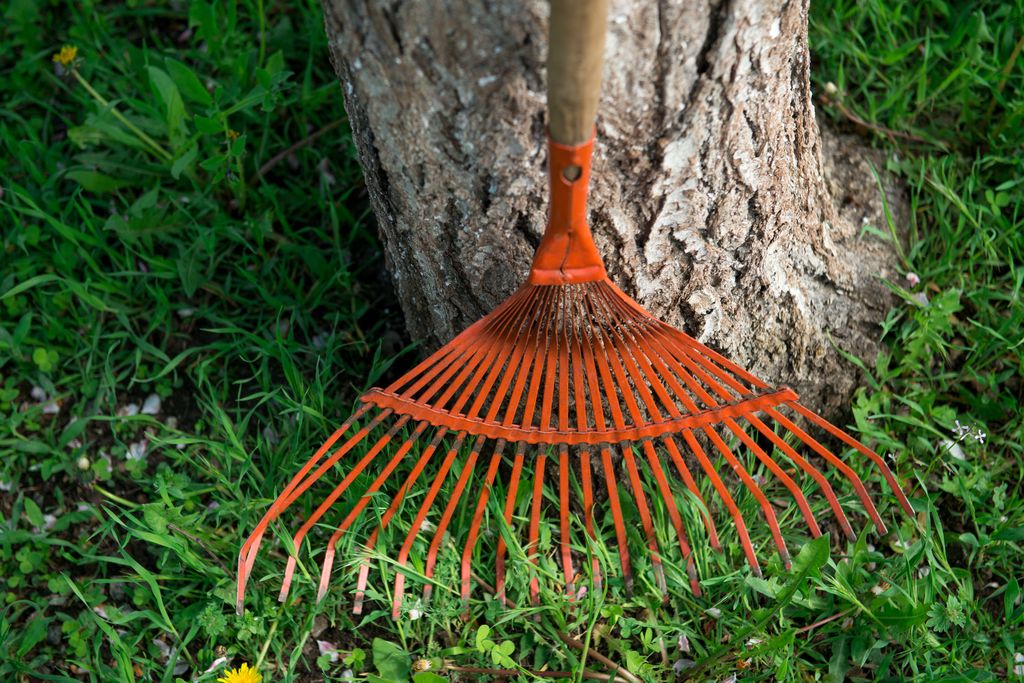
(570, 369)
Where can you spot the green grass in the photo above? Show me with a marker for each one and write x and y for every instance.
(144, 252)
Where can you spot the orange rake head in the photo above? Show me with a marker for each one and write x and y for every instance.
(569, 368)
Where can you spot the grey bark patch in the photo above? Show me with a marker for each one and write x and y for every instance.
(716, 201)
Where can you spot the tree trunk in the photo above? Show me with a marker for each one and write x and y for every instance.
(714, 196)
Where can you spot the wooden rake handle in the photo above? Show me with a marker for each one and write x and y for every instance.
(576, 34)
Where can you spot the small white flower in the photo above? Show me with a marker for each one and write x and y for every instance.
(923, 572)
(83, 463)
(980, 436)
(128, 410)
(684, 643)
(38, 394)
(49, 520)
(51, 407)
(877, 589)
(713, 612)
(831, 89)
(1018, 661)
(151, 406)
(6, 486)
(415, 614)
(913, 280)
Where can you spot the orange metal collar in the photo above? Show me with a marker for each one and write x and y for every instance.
(567, 253)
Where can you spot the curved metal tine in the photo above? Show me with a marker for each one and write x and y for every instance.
(769, 462)
(631, 352)
(766, 507)
(684, 472)
(582, 424)
(845, 469)
(446, 516)
(334, 495)
(463, 345)
(563, 377)
(850, 441)
(565, 541)
(807, 467)
(723, 493)
(532, 351)
(371, 543)
(587, 484)
(456, 345)
(510, 502)
(364, 500)
(661, 353)
(604, 360)
(533, 545)
(295, 488)
(645, 354)
(414, 529)
(787, 481)
(478, 514)
(479, 351)
(597, 410)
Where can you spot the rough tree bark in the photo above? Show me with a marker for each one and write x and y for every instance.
(715, 200)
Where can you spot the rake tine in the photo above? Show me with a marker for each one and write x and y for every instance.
(606, 463)
(582, 424)
(630, 360)
(364, 565)
(428, 501)
(691, 485)
(565, 541)
(295, 488)
(723, 492)
(705, 463)
(533, 545)
(450, 352)
(845, 469)
(767, 511)
(364, 500)
(563, 510)
(620, 526)
(787, 481)
(604, 360)
(474, 526)
(510, 502)
(810, 469)
(680, 463)
(480, 359)
(334, 495)
(850, 441)
(446, 516)
(588, 513)
(766, 507)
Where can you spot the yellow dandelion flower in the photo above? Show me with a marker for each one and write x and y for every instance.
(233, 134)
(67, 54)
(243, 674)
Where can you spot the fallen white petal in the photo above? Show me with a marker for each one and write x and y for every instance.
(151, 406)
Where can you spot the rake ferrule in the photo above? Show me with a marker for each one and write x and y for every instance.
(567, 253)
